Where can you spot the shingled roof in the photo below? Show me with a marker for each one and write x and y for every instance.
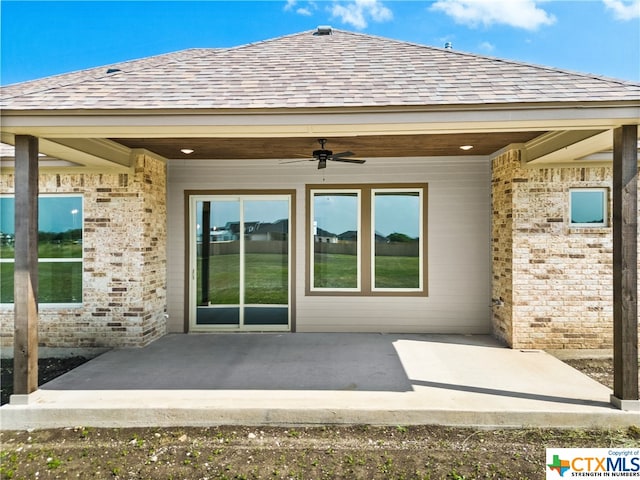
(304, 70)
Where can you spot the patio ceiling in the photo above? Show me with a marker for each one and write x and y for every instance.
(362, 146)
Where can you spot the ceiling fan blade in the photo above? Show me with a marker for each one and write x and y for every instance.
(298, 161)
(344, 154)
(348, 160)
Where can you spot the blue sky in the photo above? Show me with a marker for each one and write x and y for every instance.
(46, 38)
(55, 213)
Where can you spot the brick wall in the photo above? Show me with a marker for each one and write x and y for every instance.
(553, 282)
(503, 174)
(124, 243)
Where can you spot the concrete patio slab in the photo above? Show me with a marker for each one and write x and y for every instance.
(317, 378)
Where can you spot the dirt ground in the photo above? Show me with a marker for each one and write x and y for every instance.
(48, 369)
(329, 452)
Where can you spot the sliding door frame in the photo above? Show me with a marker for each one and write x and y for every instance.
(189, 268)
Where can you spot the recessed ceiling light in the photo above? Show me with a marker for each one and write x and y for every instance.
(466, 147)
(187, 151)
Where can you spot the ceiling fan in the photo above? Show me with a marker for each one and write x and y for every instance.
(323, 155)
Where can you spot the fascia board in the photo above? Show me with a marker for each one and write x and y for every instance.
(302, 124)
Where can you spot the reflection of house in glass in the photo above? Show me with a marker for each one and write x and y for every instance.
(348, 236)
(322, 236)
(7, 239)
(253, 231)
(268, 231)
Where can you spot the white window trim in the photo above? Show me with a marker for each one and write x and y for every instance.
(367, 234)
(420, 192)
(193, 199)
(61, 305)
(358, 193)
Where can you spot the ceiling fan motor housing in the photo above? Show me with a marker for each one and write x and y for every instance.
(322, 155)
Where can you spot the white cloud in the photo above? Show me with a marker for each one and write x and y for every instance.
(624, 9)
(357, 12)
(516, 13)
(487, 47)
(306, 10)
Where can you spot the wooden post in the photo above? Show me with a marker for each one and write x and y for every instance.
(25, 287)
(625, 267)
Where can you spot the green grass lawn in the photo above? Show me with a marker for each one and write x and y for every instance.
(335, 270)
(266, 278)
(397, 272)
(48, 250)
(59, 282)
(340, 271)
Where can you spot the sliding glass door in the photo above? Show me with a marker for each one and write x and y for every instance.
(240, 263)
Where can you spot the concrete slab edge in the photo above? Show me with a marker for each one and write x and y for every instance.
(25, 418)
(28, 399)
(626, 405)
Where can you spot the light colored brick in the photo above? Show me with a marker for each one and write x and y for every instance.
(547, 269)
(124, 260)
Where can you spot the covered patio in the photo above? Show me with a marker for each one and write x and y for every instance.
(138, 140)
(315, 378)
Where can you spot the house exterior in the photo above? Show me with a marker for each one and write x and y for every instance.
(505, 240)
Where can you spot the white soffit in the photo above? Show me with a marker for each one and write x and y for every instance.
(570, 147)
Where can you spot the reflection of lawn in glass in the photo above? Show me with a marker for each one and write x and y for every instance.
(266, 278)
(340, 271)
(59, 282)
(397, 272)
(48, 250)
(335, 270)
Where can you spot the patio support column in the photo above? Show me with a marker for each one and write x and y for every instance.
(625, 268)
(25, 351)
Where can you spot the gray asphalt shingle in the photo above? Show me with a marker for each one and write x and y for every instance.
(305, 70)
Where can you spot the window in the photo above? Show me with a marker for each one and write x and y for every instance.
(366, 239)
(336, 242)
(588, 207)
(59, 249)
(396, 239)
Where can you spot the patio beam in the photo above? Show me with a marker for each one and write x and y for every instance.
(25, 351)
(625, 268)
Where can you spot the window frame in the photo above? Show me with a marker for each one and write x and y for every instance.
(366, 239)
(50, 260)
(421, 220)
(605, 207)
(311, 243)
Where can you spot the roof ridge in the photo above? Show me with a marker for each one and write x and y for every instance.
(84, 75)
(268, 40)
